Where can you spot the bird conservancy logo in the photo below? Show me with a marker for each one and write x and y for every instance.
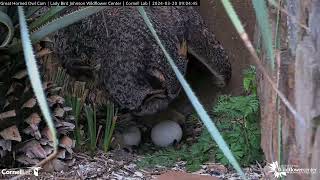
(19, 171)
(280, 171)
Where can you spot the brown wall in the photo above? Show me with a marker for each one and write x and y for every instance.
(215, 16)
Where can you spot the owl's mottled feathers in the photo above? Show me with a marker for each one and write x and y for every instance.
(128, 62)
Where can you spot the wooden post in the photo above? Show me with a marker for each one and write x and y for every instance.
(300, 81)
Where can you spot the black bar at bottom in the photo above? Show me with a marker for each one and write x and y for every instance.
(100, 3)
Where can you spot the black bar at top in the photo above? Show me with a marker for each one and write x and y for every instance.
(100, 3)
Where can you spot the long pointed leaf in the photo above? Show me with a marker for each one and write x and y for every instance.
(34, 75)
(108, 126)
(31, 10)
(5, 19)
(47, 16)
(244, 36)
(208, 122)
(58, 24)
(3, 9)
(64, 21)
(262, 15)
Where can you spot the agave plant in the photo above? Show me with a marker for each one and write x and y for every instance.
(27, 128)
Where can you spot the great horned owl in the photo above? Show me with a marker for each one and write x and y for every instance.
(131, 66)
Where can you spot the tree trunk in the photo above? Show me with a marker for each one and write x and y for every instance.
(299, 73)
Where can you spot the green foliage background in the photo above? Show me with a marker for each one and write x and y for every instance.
(239, 123)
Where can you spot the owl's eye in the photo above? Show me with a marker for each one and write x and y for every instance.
(155, 78)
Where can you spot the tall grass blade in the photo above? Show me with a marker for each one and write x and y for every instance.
(91, 119)
(244, 36)
(110, 125)
(262, 15)
(75, 104)
(290, 16)
(94, 129)
(36, 84)
(34, 74)
(214, 132)
(278, 60)
(59, 77)
(278, 30)
(108, 140)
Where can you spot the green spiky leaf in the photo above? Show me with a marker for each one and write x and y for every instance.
(34, 75)
(5, 22)
(58, 24)
(53, 11)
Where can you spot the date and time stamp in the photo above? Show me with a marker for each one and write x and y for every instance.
(174, 3)
(101, 3)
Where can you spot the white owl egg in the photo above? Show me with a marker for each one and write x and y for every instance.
(166, 133)
(132, 136)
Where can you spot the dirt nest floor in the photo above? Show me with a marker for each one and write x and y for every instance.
(120, 165)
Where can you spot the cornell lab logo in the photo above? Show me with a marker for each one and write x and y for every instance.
(35, 170)
(30, 171)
